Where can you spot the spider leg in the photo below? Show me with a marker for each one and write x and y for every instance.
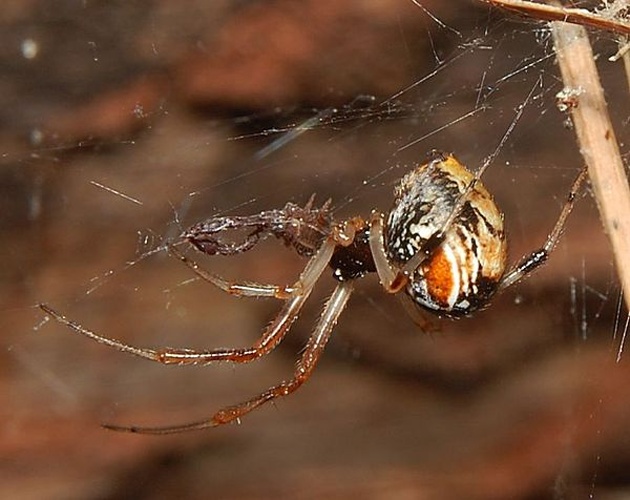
(304, 369)
(413, 311)
(393, 280)
(247, 289)
(269, 339)
(535, 259)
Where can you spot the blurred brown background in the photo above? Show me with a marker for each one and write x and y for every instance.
(172, 105)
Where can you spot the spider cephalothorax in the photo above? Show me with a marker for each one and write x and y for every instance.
(442, 247)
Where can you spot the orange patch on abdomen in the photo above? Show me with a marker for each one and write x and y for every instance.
(439, 278)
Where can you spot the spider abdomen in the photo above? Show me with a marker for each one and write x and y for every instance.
(463, 272)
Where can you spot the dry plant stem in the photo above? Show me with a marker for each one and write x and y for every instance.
(559, 13)
(597, 141)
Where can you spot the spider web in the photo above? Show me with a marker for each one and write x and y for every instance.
(124, 123)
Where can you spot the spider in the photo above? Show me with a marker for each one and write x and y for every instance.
(441, 247)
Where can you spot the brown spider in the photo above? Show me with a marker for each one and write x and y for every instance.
(442, 246)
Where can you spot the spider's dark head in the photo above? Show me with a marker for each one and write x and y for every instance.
(355, 260)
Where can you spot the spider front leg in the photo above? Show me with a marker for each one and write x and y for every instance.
(392, 279)
(312, 352)
(271, 336)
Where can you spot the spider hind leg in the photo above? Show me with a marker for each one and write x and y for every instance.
(532, 261)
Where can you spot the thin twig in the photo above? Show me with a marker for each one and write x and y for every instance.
(626, 60)
(597, 141)
(547, 12)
